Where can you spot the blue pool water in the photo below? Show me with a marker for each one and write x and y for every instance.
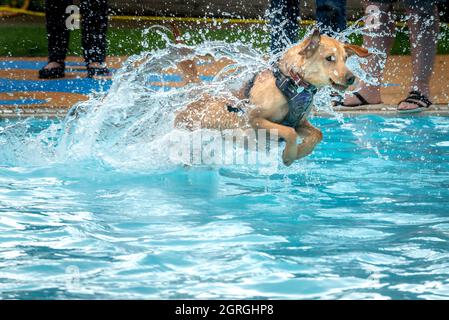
(365, 216)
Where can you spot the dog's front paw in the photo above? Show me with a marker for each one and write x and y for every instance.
(287, 160)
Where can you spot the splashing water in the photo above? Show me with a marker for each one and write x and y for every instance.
(97, 198)
(131, 125)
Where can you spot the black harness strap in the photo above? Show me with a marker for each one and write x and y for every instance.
(298, 93)
(231, 108)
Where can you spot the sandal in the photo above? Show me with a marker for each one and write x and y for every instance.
(97, 72)
(418, 99)
(362, 100)
(53, 73)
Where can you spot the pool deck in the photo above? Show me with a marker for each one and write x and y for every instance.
(23, 94)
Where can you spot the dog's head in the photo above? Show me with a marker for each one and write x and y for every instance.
(321, 61)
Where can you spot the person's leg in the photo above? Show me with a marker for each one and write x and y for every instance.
(284, 16)
(57, 33)
(331, 15)
(423, 24)
(381, 38)
(94, 26)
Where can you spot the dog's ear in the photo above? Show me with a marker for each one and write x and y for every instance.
(311, 44)
(353, 49)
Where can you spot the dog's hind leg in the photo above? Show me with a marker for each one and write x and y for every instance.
(210, 113)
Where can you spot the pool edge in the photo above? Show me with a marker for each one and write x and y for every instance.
(381, 110)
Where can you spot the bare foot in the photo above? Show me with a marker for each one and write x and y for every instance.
(52, 65)
(406, 106)
(370, 93)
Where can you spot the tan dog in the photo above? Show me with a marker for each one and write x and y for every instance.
(316, 62)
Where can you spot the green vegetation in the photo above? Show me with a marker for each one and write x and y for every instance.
(30, 40)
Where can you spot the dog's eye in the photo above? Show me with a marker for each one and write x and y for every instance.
(330, 58)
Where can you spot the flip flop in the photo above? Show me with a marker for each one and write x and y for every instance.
(98, 72)
(418, 99)
(53, 73)
(362, 100)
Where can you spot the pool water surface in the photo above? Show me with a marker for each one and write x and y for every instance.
(366, 216)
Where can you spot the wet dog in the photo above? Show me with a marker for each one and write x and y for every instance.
(279, 98)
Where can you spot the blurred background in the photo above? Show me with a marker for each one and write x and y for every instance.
(22, 33)
(201, 8)
(136, 26)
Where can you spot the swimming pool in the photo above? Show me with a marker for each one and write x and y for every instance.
(365, 216)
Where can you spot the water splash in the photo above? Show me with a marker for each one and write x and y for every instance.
(131, 125)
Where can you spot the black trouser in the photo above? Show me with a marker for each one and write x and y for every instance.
(444, 9)
(330, 14)
(284, 16)
(94, 25)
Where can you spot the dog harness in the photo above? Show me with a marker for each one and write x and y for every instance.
(298, 93)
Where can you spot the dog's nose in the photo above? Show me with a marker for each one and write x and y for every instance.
(350, 79)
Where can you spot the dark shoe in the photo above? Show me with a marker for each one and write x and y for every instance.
(98, 72)
(52, 73)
